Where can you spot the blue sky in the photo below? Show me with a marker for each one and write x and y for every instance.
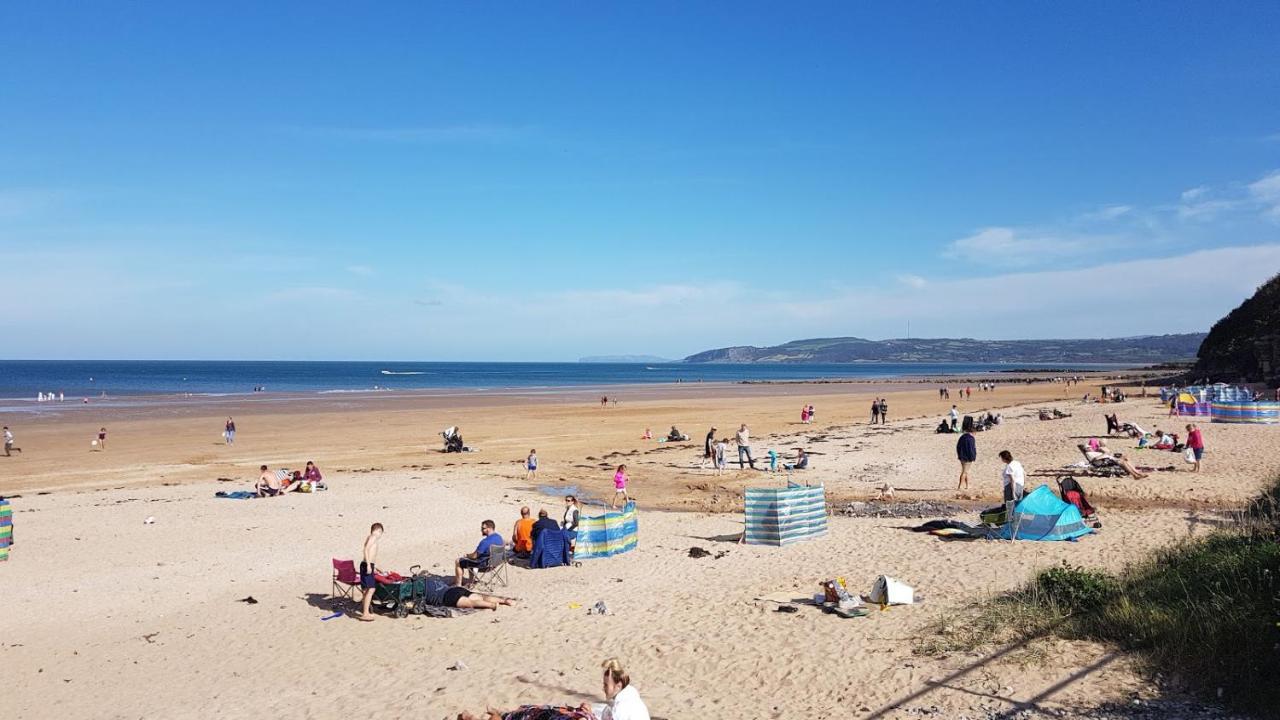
(543, 181)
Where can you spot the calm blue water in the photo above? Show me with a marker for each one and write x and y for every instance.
(23, 379)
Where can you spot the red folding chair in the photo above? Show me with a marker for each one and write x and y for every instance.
(345, 580)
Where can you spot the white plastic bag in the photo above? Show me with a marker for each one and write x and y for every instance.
(1189, 455)
(888, 591)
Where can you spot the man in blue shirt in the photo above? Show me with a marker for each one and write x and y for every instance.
(479, 558)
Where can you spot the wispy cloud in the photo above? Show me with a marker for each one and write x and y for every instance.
(423, 134)
(361, 270)
(912, 281)
(1266, 191)
(1109, 212)
(1010, 247)
(310, 294)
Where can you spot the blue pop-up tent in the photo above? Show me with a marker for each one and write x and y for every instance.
(1041, 515)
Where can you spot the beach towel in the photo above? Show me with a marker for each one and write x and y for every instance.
(550, 550)
(236, 495)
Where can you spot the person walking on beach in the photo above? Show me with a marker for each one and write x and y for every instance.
(368, 582)
(708, 452)
(620, 487)
(966, 453)
(743, 438)
(721, 451)
(812, 413)
(884, 411)
(9, 449)
(1195, 443)
(102, 439)
(229, 432)
(955, 418)
(875, 411)
(804, 415)
(531, 466)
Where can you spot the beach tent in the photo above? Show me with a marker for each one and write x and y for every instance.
(6, 528)
(780, 516)
(612, 533)
(1189, 406)
(1042, 515)
(1248, 413)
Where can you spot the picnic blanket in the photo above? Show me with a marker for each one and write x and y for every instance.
(236, 495)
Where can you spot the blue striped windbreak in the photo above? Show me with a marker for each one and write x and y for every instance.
(780, 516)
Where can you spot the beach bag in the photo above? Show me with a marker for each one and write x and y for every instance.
(888, 591)
(1189, 456)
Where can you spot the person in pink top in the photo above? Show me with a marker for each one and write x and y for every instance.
(1195, 443)
(804, 414)
(620, 487)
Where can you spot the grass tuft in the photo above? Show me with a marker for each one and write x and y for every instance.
(1206, 611)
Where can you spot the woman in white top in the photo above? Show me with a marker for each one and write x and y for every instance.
(570, 523)
(622, 699)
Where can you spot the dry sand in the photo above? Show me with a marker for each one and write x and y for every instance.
(110, 617)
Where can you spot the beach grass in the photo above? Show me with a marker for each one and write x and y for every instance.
(1203, 612)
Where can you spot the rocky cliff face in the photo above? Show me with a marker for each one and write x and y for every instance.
(1244, 346)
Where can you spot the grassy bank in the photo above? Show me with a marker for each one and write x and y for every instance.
(1205, 612)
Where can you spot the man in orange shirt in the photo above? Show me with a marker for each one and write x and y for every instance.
(522, 533)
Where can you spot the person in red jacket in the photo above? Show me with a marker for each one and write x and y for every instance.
(1195, 443)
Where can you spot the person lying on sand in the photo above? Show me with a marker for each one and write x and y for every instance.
(1102, 452)
(440, 593)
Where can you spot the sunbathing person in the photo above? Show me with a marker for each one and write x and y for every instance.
(1103, 452)
(480, 557)
(268, 484)
(439, 592)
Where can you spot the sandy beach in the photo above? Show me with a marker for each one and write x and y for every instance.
(109, 616)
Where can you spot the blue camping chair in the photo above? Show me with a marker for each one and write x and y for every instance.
(551, 549)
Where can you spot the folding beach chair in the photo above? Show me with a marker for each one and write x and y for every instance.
(494, 571)
(345, 580)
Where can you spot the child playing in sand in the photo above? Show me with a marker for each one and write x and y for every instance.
(722, 449)
(531, 466)
(367, 580)
(620, 487)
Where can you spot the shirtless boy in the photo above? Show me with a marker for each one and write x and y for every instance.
(367, 580)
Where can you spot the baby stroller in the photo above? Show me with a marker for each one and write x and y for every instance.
(1073, 492)
(452, 440)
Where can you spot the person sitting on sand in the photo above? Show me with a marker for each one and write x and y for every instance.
(480, 557)
(439, 592)
(544, 523)
(522, 533)
(268, 484)
(801, 463)
(622, 700)
(1104, 452)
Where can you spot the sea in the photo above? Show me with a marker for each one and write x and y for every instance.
(23, 380)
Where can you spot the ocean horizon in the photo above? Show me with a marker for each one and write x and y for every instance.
(77, 379)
